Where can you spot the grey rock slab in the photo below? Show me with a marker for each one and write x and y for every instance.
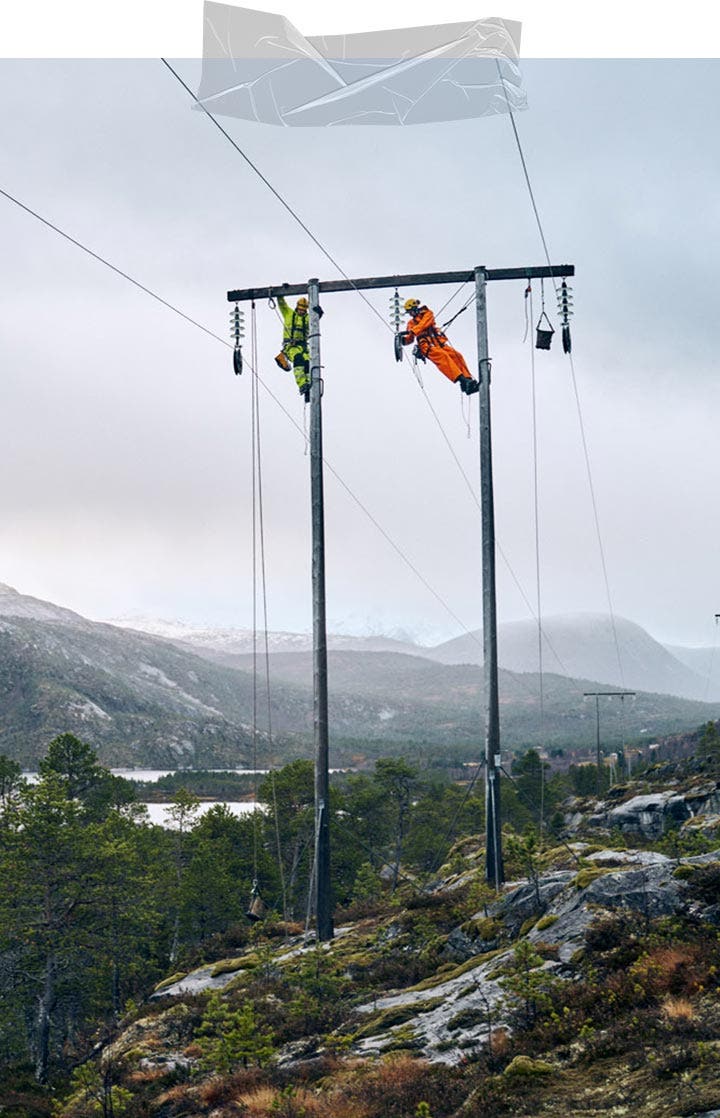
(627, 858)
(195, 983)
(474, 991)
(522, 903)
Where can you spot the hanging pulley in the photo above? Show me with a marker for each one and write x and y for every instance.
(564, 298)
(257, 909)
(396, 322)
(237, 332)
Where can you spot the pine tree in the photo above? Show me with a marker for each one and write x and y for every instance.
(230, 1038)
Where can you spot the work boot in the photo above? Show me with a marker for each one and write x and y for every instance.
(305, 392)
(462, 382)
(470, 386)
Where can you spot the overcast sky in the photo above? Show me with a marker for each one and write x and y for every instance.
(125, 452)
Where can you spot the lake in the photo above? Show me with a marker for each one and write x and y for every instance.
(158, 812)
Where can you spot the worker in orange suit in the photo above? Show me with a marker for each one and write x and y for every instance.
(433, 346)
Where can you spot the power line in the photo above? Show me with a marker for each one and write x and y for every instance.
(112, 267)
(193, 322)
(335, 264)
(576, 392)
(205, 330)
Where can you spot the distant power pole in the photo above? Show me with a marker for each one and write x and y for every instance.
(481, 277)
(597, 696)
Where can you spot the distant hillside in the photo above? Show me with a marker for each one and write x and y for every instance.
(148, 701)
(413, 699)
(579, 646)
(234, 642)
(705, 662)
(138, 700)
(583, 646)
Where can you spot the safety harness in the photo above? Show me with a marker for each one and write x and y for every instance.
(295, 337)
(297, 332)
(432, 336)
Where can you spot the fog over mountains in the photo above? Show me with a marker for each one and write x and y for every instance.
(616, 653)
(181, 696)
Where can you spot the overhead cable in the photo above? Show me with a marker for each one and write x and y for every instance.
(581, 421)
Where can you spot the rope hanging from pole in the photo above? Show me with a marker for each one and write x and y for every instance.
(252, 911)
(536, 515)
(257, 908)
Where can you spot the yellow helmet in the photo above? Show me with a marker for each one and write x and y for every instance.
(411, 305)
(302, 303)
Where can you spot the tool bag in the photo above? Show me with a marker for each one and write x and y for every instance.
(543, 338)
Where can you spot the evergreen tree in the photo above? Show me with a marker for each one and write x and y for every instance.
(397, 780)
(79, 923)
(231, 1038)
(709, 744)
(10, 779)
(290, 798)
(73, 760)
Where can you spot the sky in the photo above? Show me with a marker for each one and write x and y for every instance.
(125, 449)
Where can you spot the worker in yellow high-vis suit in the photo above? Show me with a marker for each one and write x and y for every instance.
(294, 353)
(434, 346)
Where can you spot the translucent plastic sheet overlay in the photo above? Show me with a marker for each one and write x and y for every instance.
(257, 66)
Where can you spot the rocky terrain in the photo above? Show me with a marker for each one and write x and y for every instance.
(588, 986)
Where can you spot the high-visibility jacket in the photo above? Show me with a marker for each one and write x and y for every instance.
(434, 345)
(296, 325)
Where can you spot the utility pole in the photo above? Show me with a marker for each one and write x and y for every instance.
(481, 276)
(323, 908)
(494, 871)
(597, 696)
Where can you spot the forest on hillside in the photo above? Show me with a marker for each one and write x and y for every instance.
(99, 905)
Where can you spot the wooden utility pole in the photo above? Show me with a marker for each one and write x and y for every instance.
(597, 696)
(494, 871)
(323, 907)
(480, 276)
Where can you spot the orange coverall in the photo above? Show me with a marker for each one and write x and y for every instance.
(433, 345)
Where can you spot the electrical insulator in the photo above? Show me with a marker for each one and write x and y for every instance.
(565, 311)
(565, 301)
(395, 314)
(396, 323)
(237, 324)
(237, 331)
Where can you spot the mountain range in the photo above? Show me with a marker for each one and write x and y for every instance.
(613, 652)
(178, 697)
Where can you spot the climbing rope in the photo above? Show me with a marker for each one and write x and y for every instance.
(536, 517)
(254, 454)
(258, 554)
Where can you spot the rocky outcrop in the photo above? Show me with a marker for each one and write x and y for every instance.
(455, 1012)
(651, 815)
(458, 1012)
